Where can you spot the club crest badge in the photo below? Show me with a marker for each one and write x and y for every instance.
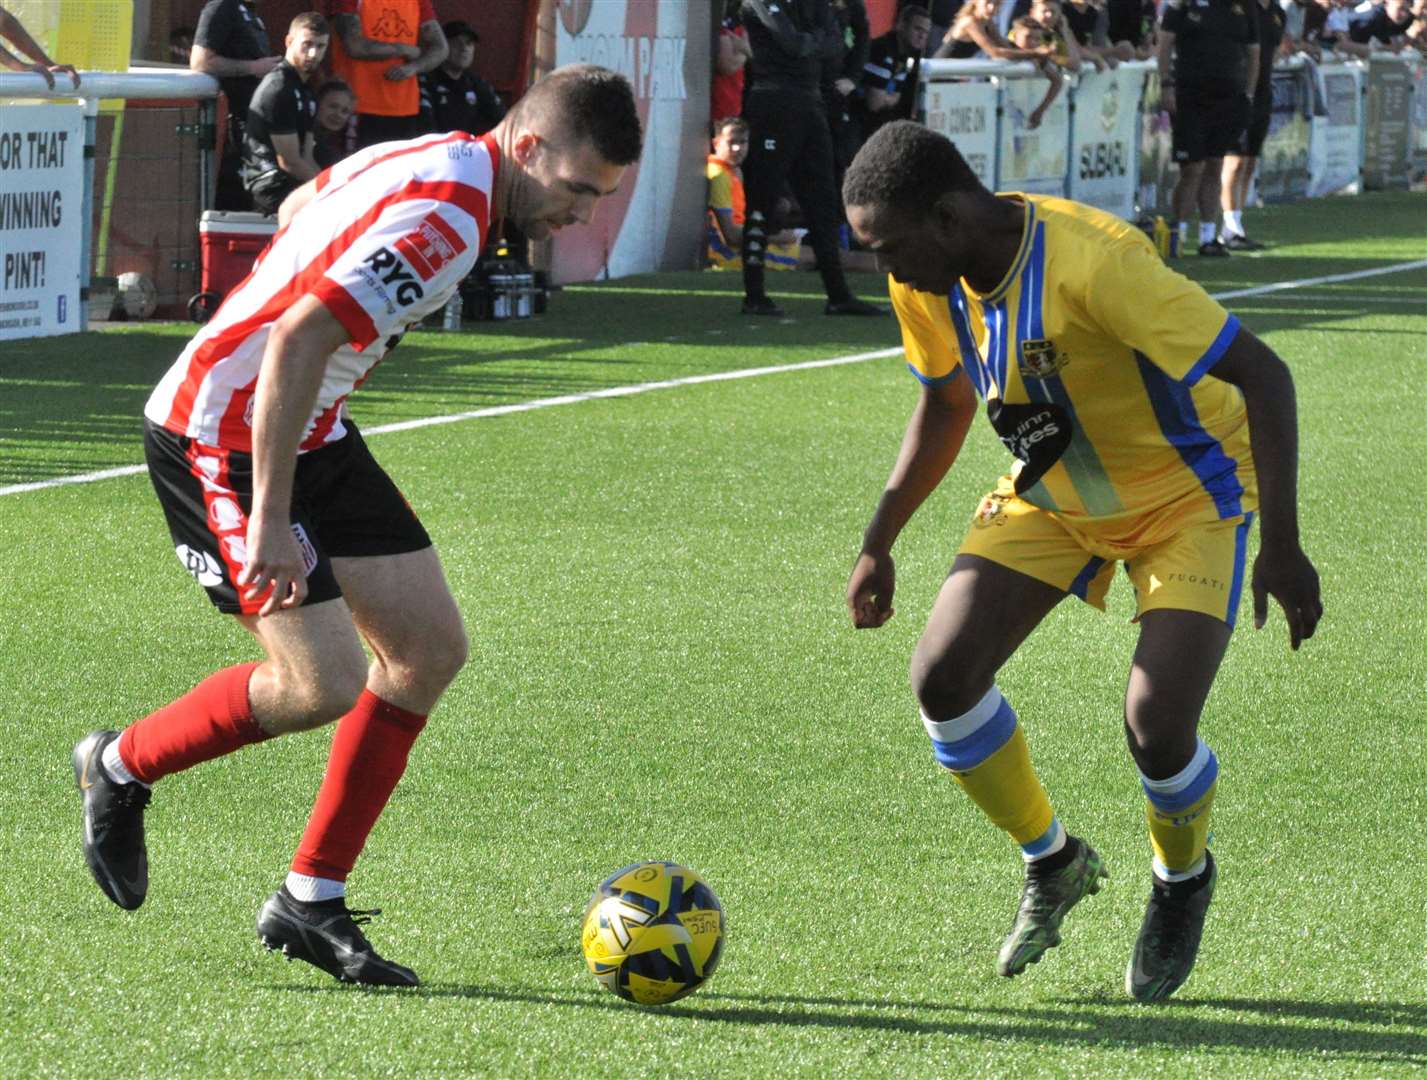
(1039, 359)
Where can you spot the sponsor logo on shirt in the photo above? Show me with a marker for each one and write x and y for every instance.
(430, 246)
(385, 268)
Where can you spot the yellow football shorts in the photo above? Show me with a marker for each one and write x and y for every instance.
(1199, 568)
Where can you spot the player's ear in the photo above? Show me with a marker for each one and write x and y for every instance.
(525, 147)
(945, 214)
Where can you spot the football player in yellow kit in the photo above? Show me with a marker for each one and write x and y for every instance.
(1148, 427)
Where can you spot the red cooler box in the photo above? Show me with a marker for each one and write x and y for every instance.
(228, 242)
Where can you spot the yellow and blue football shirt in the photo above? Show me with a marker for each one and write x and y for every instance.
(1093, 358)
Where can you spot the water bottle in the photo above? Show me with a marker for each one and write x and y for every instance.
(451, 313)
(1161, 236)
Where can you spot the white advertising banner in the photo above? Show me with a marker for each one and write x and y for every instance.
(1032, 159)
(41, 219)
(1335, 144)
(1105, 154)
(965, 112)
(649, 42)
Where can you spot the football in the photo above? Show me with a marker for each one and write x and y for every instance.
(136, 294)
(653, 932)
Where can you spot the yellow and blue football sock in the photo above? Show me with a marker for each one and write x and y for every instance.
(1178, 813)
(986, 752)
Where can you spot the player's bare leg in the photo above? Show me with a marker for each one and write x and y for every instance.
(1175, 662)
(404, 610)
(982, 615)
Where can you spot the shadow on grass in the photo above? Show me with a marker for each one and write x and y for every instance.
(1381, 1031)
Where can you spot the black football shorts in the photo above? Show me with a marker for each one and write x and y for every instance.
(1207, 126)
(343, 505)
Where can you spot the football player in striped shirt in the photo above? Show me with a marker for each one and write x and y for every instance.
(281, 514)
(1148, 428)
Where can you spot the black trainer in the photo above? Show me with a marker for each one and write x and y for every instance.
(1240, 242)
(1169, 937)
(761, 305)
(328, 935)
(1213, 249)
(113, 824)
(852, 306)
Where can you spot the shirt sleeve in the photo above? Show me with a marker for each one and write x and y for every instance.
(276, 106)
(720, 190)
(1134, 298)
(215, 24)
(402, 267)
(932, 355)
(427, 13)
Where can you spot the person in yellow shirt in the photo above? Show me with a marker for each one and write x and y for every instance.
(1148, 428)
(726, 204)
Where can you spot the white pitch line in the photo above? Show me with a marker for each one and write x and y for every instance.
(694, 380)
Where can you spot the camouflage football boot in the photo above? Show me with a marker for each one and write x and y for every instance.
(1046, 898)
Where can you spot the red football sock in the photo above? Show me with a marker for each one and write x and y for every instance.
(368, 756)
(212, 719)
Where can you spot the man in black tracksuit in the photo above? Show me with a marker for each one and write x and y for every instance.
(791, 143)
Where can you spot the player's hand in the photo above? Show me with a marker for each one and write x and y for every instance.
(42, 70)
(66, 69)
(1285, 573)
(870, 589)
(274, 566)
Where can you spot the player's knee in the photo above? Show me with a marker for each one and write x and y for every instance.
(1161, 742)
(946, 685)
(434, 660)
(321, 696)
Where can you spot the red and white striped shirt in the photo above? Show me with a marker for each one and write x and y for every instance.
(391, 232)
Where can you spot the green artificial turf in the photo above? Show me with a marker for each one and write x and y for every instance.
(662, 668)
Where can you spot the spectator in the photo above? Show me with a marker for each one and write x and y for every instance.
(840, 87)
(1387, 26)
(893, 70)
(1056, 33)
(974, 33)
(1417, 34)
(942, 13)
(726, 203)
(380, 49)
(1208, 92)
(180, 44)
(13, 32)
(1028, 34)
(791, 143)
(455, 98)
(1089, 20)
(1240, 162)
(1326, 26)
(332, 137)
(278, 141)
(231, 44)
(1132, 22)
(726, 95)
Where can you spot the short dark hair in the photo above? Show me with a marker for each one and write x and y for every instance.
(723, 123)
(310, 20)
(911, 11)
(332, 86)
(585, 102)
(907, 167)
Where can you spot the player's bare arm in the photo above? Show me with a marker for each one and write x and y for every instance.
(224, 67)
(295, 202)
(432, 50)
(1281, 570)
(933, 439)
(298, 349)
(361, 47)
(290, 156)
